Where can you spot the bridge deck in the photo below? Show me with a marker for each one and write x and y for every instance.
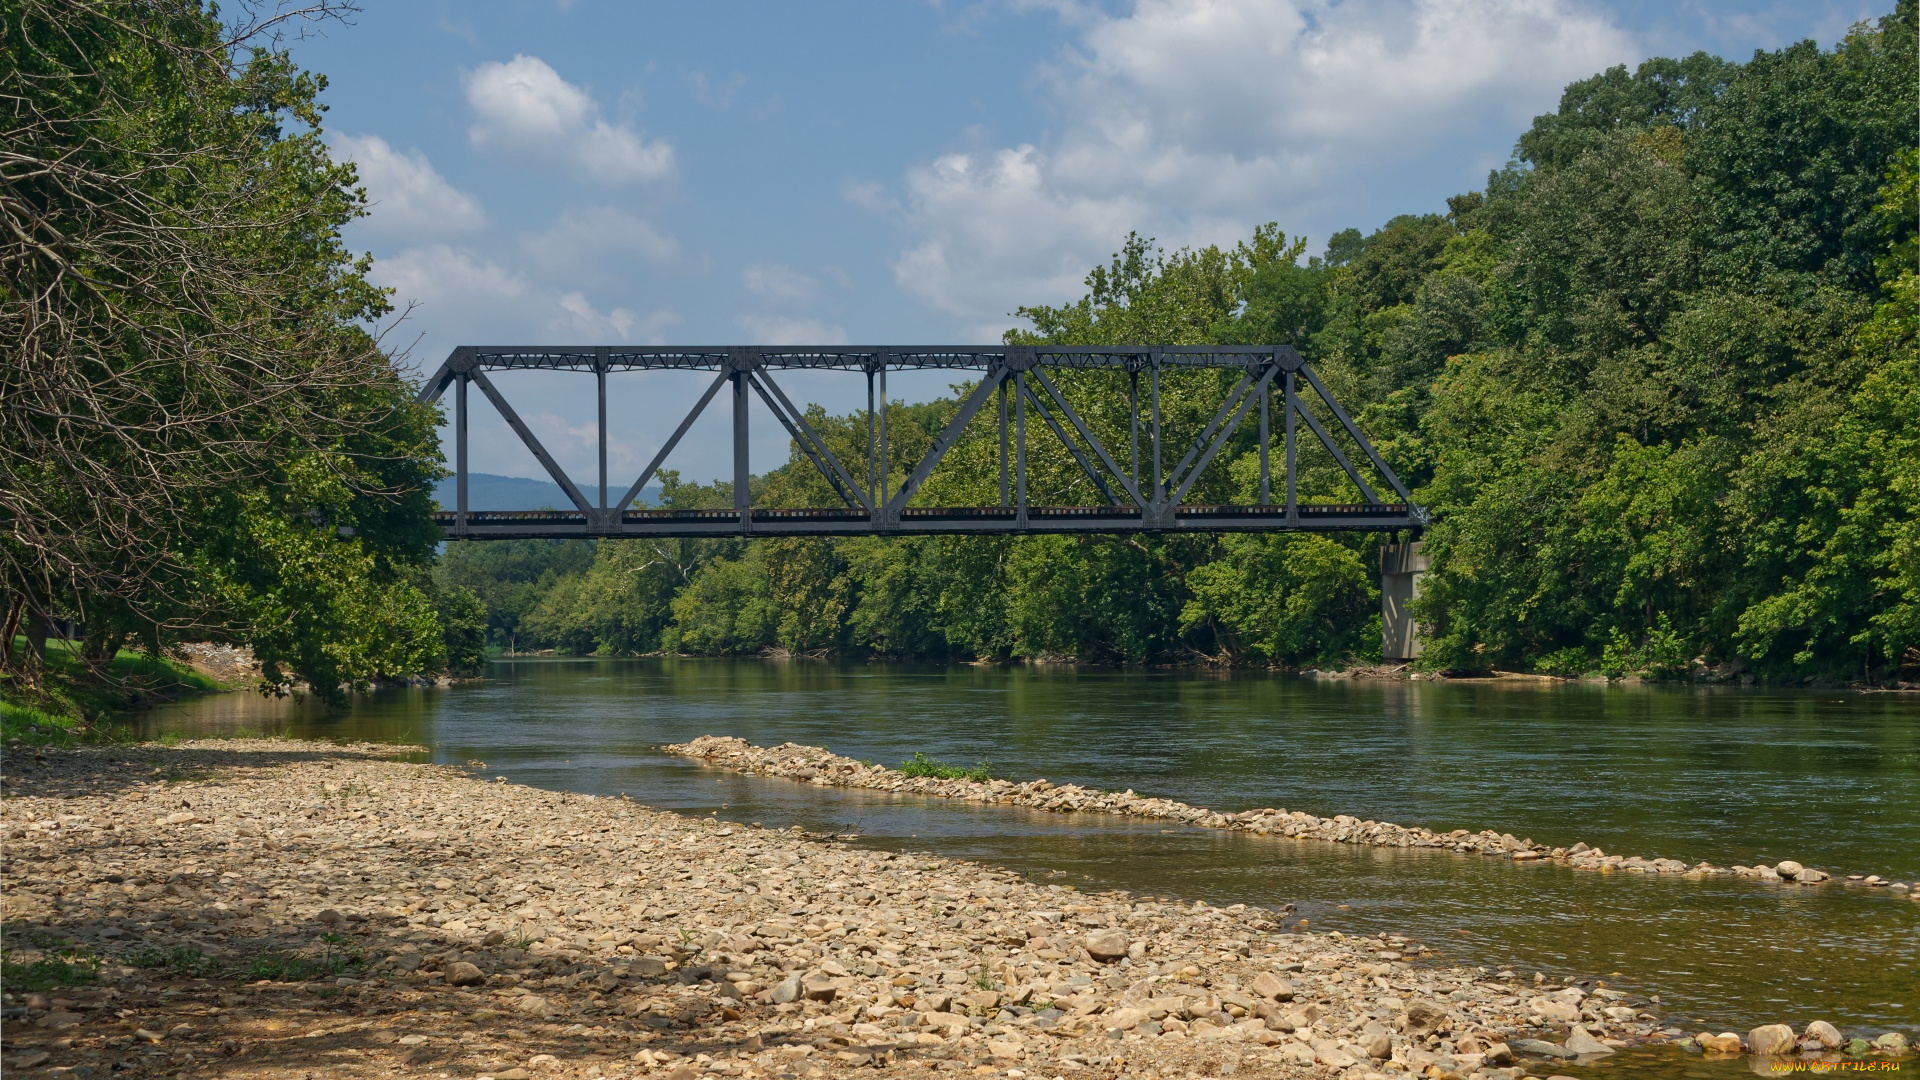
(913, 520)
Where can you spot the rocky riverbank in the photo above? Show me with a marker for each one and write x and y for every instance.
(279, 909)
(817, 765)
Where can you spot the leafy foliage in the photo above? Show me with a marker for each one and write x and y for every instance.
(202, 437)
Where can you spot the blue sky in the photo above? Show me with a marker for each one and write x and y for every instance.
(599, 172)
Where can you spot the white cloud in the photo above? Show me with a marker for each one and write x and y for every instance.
(1193, 120)
(779, 282)
(523, 109)
(600, 233)
(409, 197)
(781, 330)
(467, 298)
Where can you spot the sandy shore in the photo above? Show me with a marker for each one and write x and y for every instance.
(281, 909)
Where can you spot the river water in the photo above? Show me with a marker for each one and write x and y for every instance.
(1732, 776)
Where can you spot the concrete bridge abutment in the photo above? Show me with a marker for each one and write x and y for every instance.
(1401, 568)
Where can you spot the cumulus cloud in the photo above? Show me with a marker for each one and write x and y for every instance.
(601, 234)
(1193, 120)
(410, 198)
(779, 282)
(524, 110)
(782, 330)
(467, 298)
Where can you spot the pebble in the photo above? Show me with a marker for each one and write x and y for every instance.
(498, 926)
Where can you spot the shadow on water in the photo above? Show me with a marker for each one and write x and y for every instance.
(1736, 777)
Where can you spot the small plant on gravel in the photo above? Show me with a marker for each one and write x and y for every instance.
(334, 959)
(179, 960)
(922, 765)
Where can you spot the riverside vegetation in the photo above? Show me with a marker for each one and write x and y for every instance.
(1656, 381)
(202, 437)
(275, 909)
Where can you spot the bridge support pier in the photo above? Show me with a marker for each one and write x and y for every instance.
(1401, 567)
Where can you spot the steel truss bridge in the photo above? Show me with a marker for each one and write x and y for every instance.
(1014, 381)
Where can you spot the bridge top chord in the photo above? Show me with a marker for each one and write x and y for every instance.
(1016, 374)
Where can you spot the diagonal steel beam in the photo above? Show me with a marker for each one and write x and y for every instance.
(436, 383)
(1067, 441)
(847, 483)
(1354, 430)
(1080, 426)
(667, 447)
(1200, 444)
(950, 435)
(526, 436)
(804, 440)
(1226, 432)
(1327, 441)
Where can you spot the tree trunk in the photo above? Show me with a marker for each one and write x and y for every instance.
(15, 607)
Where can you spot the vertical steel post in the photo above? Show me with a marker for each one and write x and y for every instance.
(600, 373)
(1003, 439)
(1266, 494)
(1159, 488)
(1133, 420)
(1293, 494)
(740, 475)
(884, 484)
(460, 449)
(1020, 445)
(873, 491)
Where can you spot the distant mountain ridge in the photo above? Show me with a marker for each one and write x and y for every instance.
(490, 491)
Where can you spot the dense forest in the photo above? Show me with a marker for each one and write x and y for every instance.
(1657, 383)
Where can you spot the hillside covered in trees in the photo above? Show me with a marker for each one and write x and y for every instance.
(1657, 382)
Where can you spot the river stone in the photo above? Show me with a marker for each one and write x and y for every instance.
(1581, 1042)
(1724, 1043)
(1541, 1048)
(1269, 985)
(1106, 946)
(1124, 1019)
(786, 992)
(461, 973)
(1425, 1017)
(1771, 1039)
(1499, 1054)
(1377, 1045)
(820, 986)
(1893, 1042)
(1555, 1009)
(1788, 869)
(1825, 1034)
(532, 1005)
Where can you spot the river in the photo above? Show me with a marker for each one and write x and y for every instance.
(1830, 778)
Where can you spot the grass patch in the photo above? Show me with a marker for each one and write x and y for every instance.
(35, 726)
(922, 765)
(61, 966)
(73, 703)
(180, 960)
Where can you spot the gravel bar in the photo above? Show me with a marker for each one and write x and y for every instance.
(818, 765)
(283, 909)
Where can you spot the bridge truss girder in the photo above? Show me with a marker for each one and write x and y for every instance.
(1015, 375)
